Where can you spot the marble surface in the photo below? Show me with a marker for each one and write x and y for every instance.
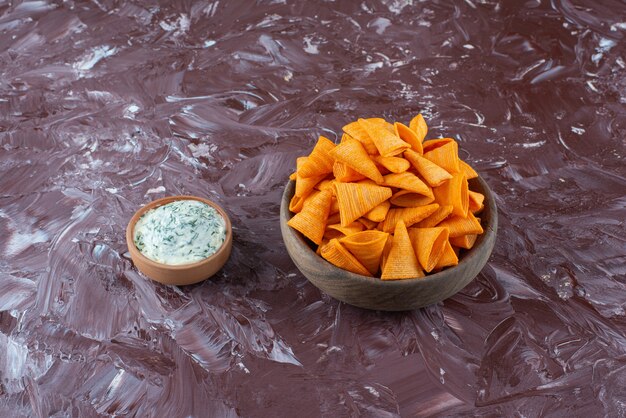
(106, 105)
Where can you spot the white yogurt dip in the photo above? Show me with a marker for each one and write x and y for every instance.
(181, 232)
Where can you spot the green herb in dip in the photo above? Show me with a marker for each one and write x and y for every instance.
(181, 232)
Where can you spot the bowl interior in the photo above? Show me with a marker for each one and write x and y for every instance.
(374, 293)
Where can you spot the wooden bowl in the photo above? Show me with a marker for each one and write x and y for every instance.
(393, 295)
(182, 274)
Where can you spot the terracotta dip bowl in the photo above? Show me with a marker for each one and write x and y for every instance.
(182, 274)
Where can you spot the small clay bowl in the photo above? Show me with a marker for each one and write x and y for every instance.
(182, 274)
(392, 295)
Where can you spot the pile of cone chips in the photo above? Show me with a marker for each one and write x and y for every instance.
(386, 203)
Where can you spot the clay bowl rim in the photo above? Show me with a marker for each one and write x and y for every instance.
(468, 255)
(134, 251)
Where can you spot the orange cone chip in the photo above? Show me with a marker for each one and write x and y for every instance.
(345, 173)
(353, 154)
(393, 164)
(356, 131)
(311, 220)
(387, 143)
(454, 192)
(293, 176)
(296, 203)
(337, 231)
(431, 172)
(408, 216)
(464, 241)
(319, 162)
(439, 215)
(429, 244)
(378, 121)
(408, 199)
(401, 263)
(367, 247)
(304, 185)
(431, 144)
(367, 223)
(470, 173)
(333, 218)
(319, 247)
(409, 136)
(459, 226)
(418, 125)
(386, 250)
(336, 254)
(325, 184)
(476, 201)
(445, 156)
(379, 213)
(382, 123)
(299, 202)
(448, 258)
(368, 182)
(356, 199)
(407, 181)
(382, 169)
